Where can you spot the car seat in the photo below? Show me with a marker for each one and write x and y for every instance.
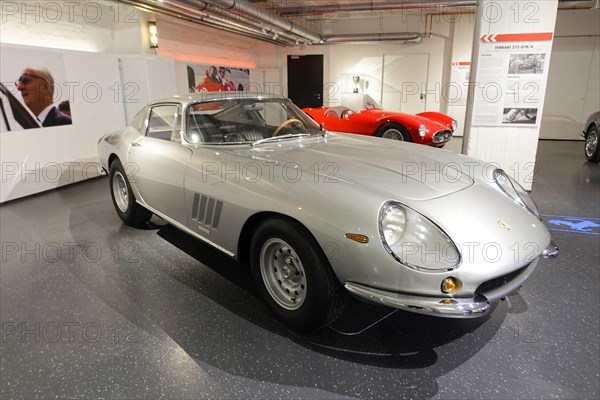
(252, 135)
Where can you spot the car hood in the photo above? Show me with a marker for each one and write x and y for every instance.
(400, 169)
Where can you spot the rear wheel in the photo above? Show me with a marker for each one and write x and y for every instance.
(123, 198)
(294, 276)
(393, 131)
(592, 149)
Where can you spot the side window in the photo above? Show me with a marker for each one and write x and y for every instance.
(165, 122)
(140, 118)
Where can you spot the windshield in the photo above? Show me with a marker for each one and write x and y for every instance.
(246, 121)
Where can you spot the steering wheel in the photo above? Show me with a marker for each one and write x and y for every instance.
(287, 122)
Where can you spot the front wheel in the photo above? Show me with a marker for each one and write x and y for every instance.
(123, 198)
(592, 149)
(294, 277)
(394, 132)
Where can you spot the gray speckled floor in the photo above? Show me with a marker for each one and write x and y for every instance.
(90, 308)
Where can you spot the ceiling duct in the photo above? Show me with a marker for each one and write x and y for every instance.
(245, 18)
(374, 37)
(330, 8)
(179, 10)
(249, 10)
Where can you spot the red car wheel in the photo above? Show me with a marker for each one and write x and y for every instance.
(394, 132)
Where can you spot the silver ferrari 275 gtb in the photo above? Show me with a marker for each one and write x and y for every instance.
(319, 216)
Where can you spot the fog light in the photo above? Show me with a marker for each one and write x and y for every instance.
(451, 285)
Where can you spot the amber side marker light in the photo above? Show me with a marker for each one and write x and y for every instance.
(451, 285)
(357, 238)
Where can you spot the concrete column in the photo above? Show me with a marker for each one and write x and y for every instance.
(509, 72)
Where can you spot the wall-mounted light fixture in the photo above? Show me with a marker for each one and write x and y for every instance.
(153, 34)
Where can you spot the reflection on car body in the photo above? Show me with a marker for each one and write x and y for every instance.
(429, 128)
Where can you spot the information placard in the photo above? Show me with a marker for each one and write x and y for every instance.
(511, 79)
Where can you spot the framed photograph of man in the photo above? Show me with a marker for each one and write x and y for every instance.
(33, 93)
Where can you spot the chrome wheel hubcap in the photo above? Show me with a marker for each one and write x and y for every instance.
(283, 274)
(120, 192)
(393, 134)
(591, 143)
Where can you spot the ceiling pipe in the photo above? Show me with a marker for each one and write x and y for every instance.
(374, 37)
(395, 5)
(178, 11)
(243, 17)
(217, 13)
(370, 6)
(248, 9)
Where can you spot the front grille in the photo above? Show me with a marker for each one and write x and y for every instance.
(500, 281)
(207, 210)
(442, 136)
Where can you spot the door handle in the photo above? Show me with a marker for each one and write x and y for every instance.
(318, 95)
(136, 144)
(422, 96)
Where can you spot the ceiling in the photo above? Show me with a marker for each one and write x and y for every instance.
(283, 22)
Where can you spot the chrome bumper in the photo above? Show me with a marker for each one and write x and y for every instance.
(551, 251)
(442, 307)
(449, 307)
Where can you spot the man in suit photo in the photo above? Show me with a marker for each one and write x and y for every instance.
(36, 85)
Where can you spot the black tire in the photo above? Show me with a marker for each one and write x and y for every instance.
(294, 277)
(393, 131)
(592, 145)
(123, 198)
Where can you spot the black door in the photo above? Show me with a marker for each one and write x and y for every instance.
(305, 80)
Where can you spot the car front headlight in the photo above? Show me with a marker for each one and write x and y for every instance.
(415, 241)
(514, 190)
(454, 125)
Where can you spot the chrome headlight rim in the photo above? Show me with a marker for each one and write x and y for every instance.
(404, 207)
(423, 130)
(516, 192)
(454, 125)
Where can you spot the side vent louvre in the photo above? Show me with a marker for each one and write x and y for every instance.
(207, 210)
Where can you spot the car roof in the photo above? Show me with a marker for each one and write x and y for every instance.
(211, 96)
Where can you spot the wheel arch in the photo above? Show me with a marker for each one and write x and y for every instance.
(250, 226)
(591, 125)
(112, 158)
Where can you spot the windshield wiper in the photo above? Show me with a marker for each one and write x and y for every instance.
(277, 138)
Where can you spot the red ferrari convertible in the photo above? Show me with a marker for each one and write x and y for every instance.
(429, 128)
